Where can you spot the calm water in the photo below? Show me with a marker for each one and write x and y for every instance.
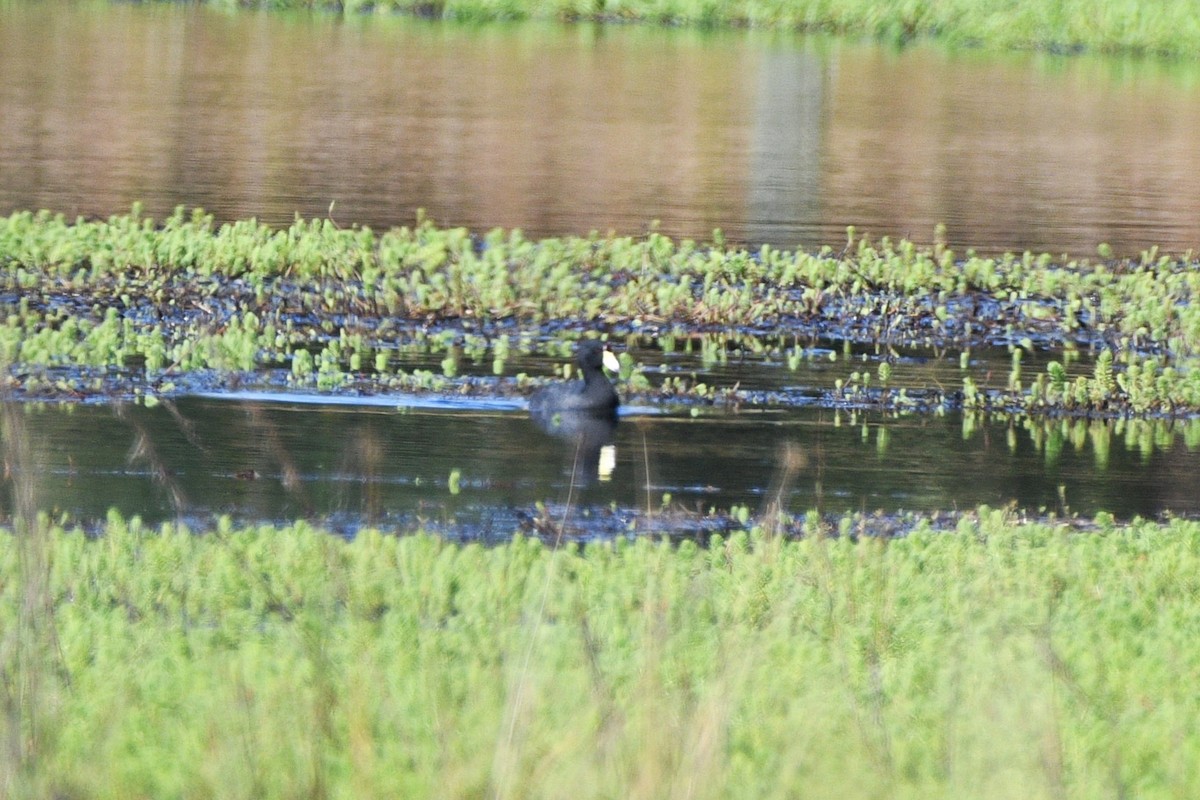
(566, 129)
(391, 465)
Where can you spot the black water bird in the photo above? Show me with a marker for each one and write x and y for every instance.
(583, 413)
(593, 395)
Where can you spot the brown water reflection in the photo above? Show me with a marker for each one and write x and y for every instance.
(566, 129)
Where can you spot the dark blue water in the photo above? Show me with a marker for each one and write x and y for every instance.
(481, 468)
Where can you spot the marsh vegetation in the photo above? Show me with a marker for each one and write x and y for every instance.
(997, 657)
(1168, 27)
(131, 306)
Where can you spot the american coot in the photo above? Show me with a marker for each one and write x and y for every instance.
(583, 413)
(594, 394)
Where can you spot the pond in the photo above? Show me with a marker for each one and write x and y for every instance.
(482, 469)
(566, 129)
(562, 130)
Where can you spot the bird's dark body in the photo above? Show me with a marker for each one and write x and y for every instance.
(593, 394)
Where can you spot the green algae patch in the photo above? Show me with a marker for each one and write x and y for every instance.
(136, 306)
(1007, 656)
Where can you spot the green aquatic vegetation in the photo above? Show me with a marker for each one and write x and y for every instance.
(1041, 654)
(450, 365)
(184, 294)
(1167, 27)
(302, 364)
(885, 373)
(1143, 386)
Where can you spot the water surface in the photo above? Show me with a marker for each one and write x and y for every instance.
(564, 130)
(481, 470)
(568, 129)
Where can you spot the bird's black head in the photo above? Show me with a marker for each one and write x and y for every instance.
(589, 354)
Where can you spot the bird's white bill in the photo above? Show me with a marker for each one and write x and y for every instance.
(611, 362)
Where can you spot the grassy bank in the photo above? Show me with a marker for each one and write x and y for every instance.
(151, 302)
(1001, 659)
(1169, 27)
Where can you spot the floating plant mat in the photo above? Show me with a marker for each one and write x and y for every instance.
(486, 472)
(132, 307)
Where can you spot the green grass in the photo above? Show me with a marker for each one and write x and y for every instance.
(156, 301)
(999, 659)
(1166, 27)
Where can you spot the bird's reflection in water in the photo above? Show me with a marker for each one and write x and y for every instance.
(592, 454)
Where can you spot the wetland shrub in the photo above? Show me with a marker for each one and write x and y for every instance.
(997, 659)
(1129, 26)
